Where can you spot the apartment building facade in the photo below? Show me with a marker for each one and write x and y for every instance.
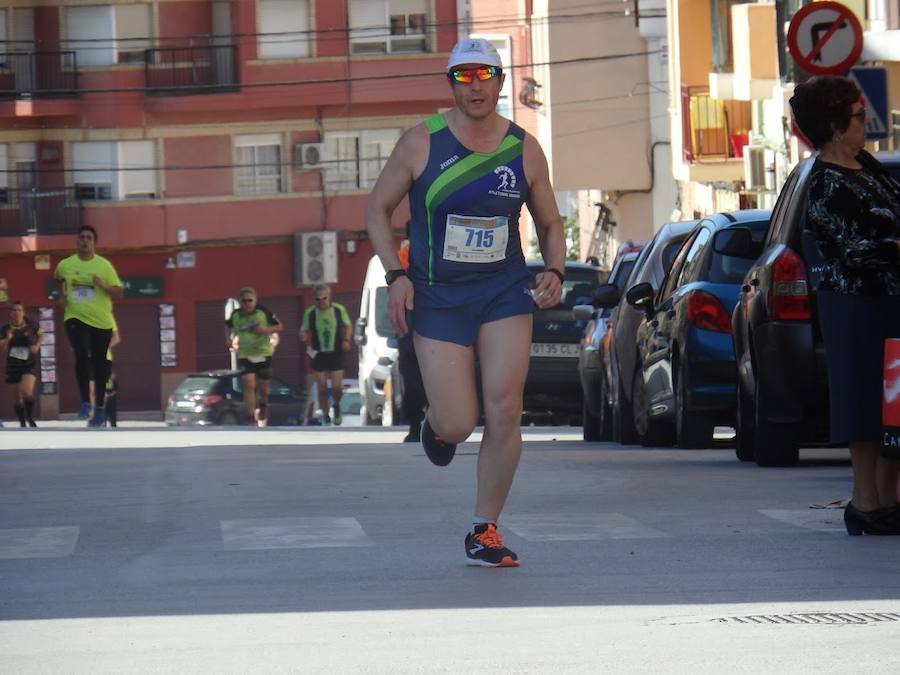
(732, 78)
(213, 144)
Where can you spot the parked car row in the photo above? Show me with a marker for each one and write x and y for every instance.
(715, 325)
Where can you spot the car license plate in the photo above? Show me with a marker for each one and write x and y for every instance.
(542, 349)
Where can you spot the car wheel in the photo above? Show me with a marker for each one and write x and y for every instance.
(623, 419)
(650, 432)
(590, 423)
(744, 437)
(776, 444)
(228, 418)
(692, 429)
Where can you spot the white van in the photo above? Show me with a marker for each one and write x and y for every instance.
(371, 333)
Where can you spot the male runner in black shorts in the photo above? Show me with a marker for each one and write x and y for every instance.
(326, 331)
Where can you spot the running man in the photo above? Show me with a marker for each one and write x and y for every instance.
(468, 172)
(248, 331)
(21, 339)
(87, 283)
(326, 332)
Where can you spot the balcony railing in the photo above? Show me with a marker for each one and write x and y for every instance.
(38, 212)
(713, 129)
(210, 69)
(38, 74)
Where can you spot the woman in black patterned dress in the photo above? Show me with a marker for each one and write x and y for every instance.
(854, 213)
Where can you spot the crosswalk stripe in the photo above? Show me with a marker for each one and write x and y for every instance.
(38, 542)
(578, 527)
(820, 520)
(254, 534)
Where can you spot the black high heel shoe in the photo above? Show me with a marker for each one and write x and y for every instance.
(880, 521)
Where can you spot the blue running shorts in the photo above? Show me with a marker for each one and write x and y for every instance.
(460, 323)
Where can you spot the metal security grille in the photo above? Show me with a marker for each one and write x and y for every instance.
(827, 618)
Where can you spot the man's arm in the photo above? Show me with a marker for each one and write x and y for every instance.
(547, 221)
(408, 158)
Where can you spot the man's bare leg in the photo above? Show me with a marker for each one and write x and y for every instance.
(504, 349)
(322, 393)
(337, 390)
(448, 373)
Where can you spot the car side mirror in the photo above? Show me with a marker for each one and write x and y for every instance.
(606, 295)
(583, 312)
(641, 297)
(359, 331)
(737, 242)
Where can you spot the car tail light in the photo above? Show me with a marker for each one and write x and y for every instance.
(707, 312)
(588, 335)
(210, 399)
(789, 292)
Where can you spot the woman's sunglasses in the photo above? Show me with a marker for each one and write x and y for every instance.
(468, 75)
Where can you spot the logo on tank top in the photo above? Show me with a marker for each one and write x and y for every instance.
(506, 187)
(448, 162)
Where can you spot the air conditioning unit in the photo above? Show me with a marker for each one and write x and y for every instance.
(754, 168)
(309, 155)
(315, 258)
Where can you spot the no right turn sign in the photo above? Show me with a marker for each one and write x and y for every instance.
(825, 38)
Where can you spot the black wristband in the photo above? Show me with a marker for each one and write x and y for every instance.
(393, 275)
(558, 274)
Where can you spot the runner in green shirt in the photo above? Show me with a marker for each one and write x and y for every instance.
(86, 285)
(326, 331)
(249, 331)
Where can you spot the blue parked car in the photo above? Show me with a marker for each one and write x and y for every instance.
(687, 370)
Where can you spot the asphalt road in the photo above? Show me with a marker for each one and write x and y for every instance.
(341, 550)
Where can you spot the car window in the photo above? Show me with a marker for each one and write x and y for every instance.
(693, 258)
(579, 283)
(280, 389)
(383, 326)
(194, 386)
(670, 281)
(729, 269)
(780, 210)
(236, 385)
(622, 273)
(670, 251)
(640, 264)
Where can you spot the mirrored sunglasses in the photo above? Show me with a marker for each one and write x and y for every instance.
(468, 75)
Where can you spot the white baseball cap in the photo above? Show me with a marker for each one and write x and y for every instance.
(474, 50)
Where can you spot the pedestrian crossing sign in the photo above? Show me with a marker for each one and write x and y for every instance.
(873, 84)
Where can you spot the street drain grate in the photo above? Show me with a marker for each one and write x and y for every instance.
(808, 618)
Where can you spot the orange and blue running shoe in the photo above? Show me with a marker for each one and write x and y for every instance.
(484, 548)
(439, 451)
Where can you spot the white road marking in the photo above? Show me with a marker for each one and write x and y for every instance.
(255, 534)
(820, 520)
(578, 527)
(38, 542)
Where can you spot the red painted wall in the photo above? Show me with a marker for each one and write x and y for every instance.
(182, 20)
(198, 151)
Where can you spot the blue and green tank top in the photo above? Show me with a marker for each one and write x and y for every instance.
(464, 230)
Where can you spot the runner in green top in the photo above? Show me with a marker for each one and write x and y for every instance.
(87, 283)
(326, 331)
(249, 331)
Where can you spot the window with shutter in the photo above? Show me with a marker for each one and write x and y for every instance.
(283, 27)
(94, 165)
(137, 169)
(132, 30)
(90, 33)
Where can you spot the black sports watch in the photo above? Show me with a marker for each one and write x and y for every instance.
(555, 271)
(393, 275)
